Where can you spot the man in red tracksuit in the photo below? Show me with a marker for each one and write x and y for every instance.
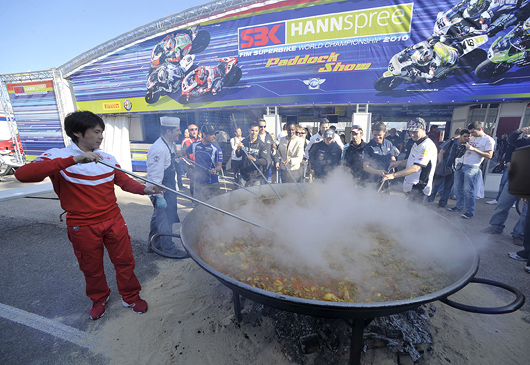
(93, 219)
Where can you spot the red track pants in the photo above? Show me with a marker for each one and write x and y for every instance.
(89, 242)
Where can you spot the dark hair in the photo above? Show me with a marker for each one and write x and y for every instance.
(253, 124)
(464, 131)
(164, 129)
(379, 126)
(475, 125)
(79, 122)
(458, 130)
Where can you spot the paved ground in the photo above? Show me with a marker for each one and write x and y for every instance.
(43, 307)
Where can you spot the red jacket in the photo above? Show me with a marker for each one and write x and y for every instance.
(86, 191)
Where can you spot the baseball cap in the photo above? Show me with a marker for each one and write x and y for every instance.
(170, 121)
(329, 133)
(416, 124)
(356, 128)
(208, 129)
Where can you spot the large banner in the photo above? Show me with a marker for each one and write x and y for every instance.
(325, 52)
(37, 117)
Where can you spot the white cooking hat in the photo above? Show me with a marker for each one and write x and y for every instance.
(170, 121)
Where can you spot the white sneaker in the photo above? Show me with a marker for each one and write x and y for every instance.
(492, 202)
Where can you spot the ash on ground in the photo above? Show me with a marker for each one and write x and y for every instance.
(313, 340)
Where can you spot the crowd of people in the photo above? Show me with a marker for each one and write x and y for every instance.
(427, 164)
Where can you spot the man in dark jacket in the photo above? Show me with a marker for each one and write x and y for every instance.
(254, 153)
(353, 151)
(325, 155)
(266, 138)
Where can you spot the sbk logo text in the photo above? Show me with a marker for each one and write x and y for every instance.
(262, 36)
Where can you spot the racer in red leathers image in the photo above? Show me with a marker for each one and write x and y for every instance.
(210, 79)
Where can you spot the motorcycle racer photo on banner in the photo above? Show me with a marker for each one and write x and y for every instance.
(431, 61)
(171, 60)
(205, 80)
(507, 51)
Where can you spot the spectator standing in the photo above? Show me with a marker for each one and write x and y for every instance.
(236, 161)
(396, 140)
(450, 151)
(193, 137)
(254, 155)
(506, 200)
(480, 146)
(378, 154)
(420, 165)
(318, 137)
(509, 144)
(352, 157)
(325, 155)
(267, 139)
(209, 158)
(302, 133)
(435, 135)
(161, 169)
(291, 155)
(93, 218)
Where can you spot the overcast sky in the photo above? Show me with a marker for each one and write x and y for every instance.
(39, 35)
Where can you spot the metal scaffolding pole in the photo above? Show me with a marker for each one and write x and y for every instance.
(11, 123)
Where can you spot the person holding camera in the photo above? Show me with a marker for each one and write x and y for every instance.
(480, 146)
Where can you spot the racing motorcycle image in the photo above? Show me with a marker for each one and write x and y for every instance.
(507, 51)
(452, 23)
(205, 80)
(176, 46)
(481, 16)
(167, 79)
(431, 61)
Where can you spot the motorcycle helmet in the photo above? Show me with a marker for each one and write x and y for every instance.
(423, 56)
(169, 44)
(200, 75)
(476, 7)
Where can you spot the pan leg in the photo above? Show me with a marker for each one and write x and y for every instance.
(356, 345)
(237, 306)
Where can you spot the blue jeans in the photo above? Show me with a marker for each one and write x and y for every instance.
(504, 180)
(502, 209)
(446, 183)
(525, 253)
(518, 229)
(465, 187)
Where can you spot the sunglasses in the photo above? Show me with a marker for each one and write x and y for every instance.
(300, 133)
(262, 126)
(193, 129)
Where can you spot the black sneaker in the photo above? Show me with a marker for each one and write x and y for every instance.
(491, 230)
(454, 209)
(467, 215)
